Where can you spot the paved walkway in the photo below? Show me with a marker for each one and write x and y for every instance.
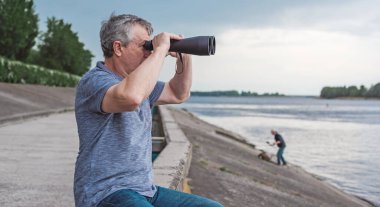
(37, 160)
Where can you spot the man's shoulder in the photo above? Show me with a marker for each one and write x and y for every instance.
(95, 76)
(94, 73)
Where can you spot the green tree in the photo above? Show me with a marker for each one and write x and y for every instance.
(362, 90)
(18, 28)
(32, 57)
(61, 49)
(353, 91)
(374, 91)
(328, 92)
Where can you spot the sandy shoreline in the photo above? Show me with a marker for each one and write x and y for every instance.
(227, 169)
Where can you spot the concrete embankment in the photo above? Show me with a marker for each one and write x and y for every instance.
(20, 102)
(37, 158)
(231, 172)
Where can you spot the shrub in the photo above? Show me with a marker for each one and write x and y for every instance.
(18, 72)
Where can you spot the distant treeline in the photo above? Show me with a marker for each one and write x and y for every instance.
(351, 91)
(231, 93)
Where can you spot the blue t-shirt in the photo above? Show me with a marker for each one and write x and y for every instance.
(115, 149)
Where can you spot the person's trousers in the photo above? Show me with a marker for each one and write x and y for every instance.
(164, 197)
(280, 156)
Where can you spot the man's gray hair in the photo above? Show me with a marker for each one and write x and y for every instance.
(117, 28)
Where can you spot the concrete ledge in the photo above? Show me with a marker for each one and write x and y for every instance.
(172, 165)
(26, 116)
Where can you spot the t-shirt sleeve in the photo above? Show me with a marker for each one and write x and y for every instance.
(94, 89)
(158, 88)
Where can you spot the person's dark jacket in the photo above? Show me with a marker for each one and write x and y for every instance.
(278, 137)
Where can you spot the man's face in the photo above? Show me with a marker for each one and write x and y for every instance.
(134, 53)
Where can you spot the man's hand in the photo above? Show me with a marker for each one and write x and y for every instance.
(162, 41)
(175, 54)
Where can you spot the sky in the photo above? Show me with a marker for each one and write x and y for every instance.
(292, 47)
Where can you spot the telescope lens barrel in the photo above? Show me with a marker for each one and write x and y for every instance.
(200, 45)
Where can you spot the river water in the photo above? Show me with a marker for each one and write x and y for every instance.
(338, 140)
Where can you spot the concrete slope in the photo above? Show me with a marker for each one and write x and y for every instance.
(231, 173)
(21, 100)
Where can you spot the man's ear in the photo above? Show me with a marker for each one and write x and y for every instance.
(117, 48)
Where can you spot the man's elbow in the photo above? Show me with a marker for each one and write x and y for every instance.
(183, 98)
(131, 102)
(135, 101)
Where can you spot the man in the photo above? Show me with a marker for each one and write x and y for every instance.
(113, 112)
(281, 147)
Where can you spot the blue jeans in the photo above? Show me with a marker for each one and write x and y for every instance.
(164, 197)
(280, 156)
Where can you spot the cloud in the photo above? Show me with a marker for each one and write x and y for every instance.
(297, 49)
(292, 61)
(357, 17)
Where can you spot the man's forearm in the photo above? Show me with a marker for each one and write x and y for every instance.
(182, 80)
(144, 78)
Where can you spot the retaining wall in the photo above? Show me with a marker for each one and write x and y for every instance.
(172, 164)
